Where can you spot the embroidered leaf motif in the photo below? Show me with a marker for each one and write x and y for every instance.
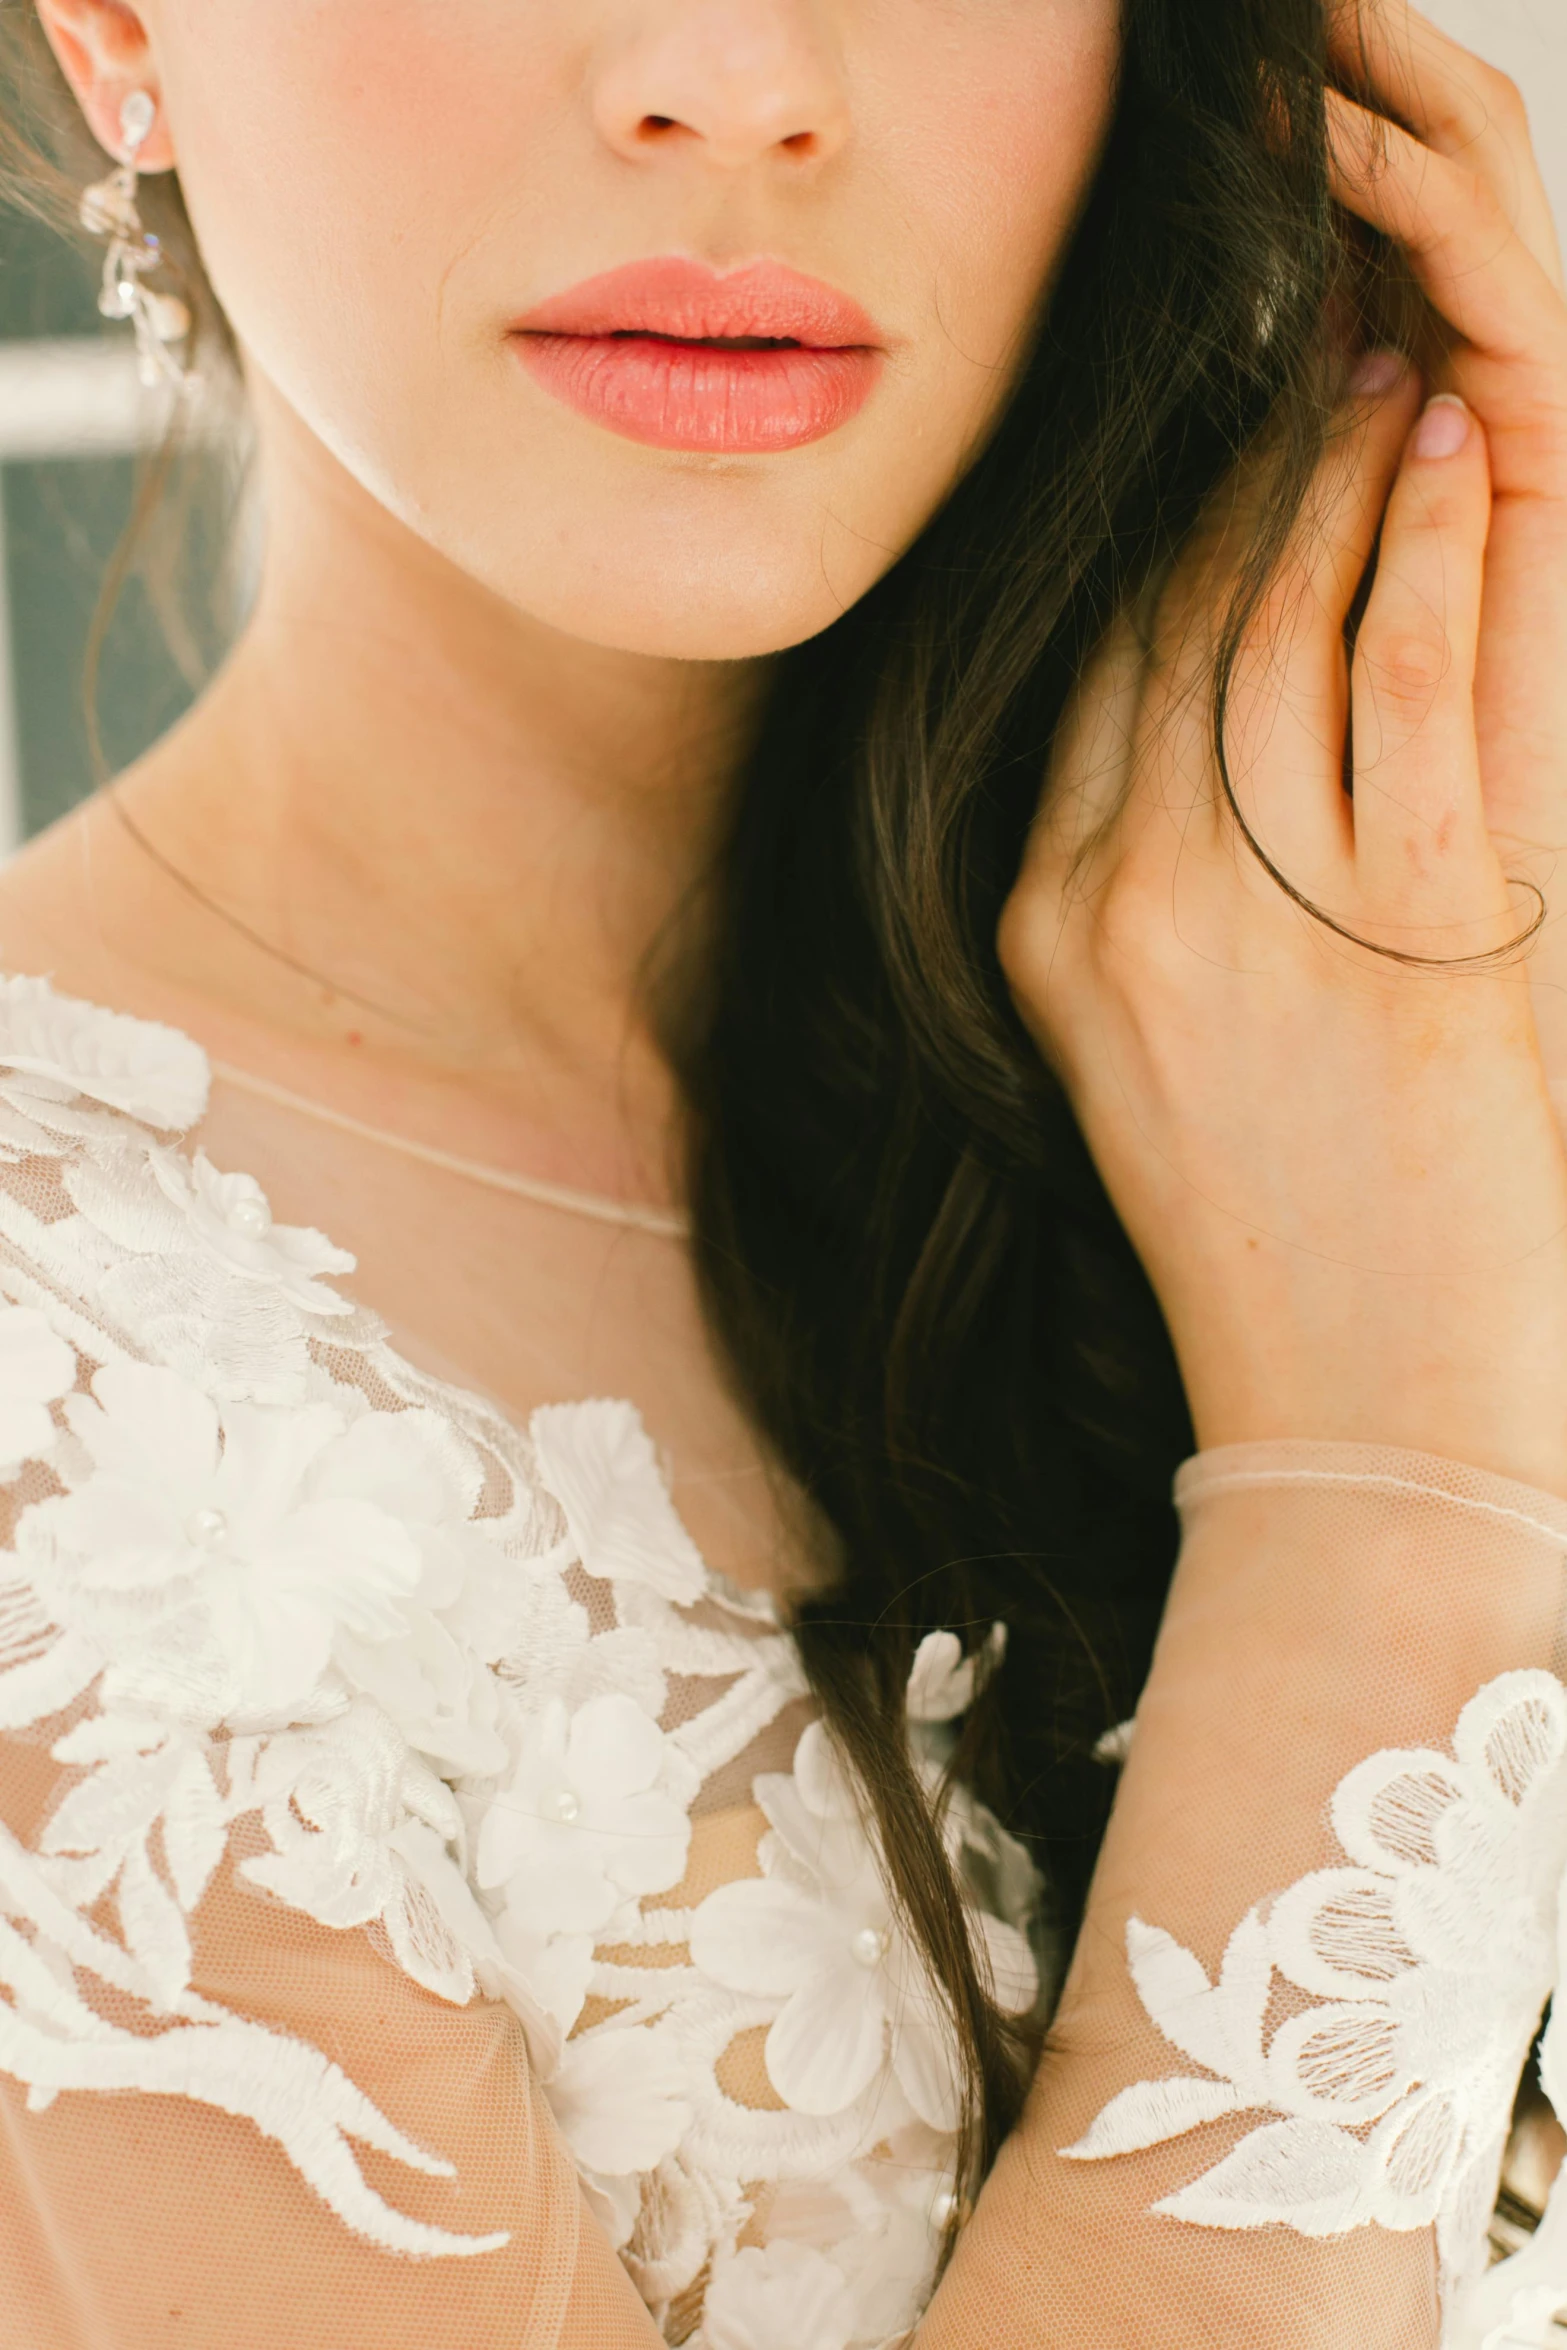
(1414, 1979)
(1152, 2112)
(1215, 2025)
(290, 2091)
(1303, 2175)
(153, 1928)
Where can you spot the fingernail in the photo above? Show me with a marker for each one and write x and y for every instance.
(1444, 428)
(1377, 374)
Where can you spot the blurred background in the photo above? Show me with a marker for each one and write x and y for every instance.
(76, 429)
(73, 418)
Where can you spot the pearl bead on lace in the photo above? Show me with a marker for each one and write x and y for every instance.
(869, 1947)
(566, 1807)
(207, 1529)
(251, 1217)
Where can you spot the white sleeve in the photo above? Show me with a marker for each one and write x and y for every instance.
(232, 2119)
(1320, 1941)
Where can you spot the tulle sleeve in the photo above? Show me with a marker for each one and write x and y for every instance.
(267, 2078)
(177, 2214)
(272, 2138)
(1320, 1943)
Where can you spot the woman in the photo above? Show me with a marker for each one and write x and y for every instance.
(720, 462)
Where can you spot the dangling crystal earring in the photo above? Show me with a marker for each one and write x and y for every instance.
(108, 209)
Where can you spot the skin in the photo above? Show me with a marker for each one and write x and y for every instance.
(466, 582)
(1319, 1254)
(569, 633)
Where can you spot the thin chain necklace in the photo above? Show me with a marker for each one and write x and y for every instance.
(665, 1223)
(632, 1215)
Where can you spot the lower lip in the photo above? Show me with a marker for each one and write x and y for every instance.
(694, 396)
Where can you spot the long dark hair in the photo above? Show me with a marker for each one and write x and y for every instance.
(925, 1299)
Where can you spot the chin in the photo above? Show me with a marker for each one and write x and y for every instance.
(746, 623)
(738, 600)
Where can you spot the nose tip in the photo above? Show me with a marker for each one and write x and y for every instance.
(737, 84)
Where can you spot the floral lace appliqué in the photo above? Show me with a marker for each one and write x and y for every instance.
(819, 1935)
(273, 1601)
(1414, 1976)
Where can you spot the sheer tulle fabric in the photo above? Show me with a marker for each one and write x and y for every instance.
(429, 1914)
(420, 1878)
(1323, 1933)
(140, 2219)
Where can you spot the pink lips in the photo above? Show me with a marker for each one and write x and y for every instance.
(680, 356)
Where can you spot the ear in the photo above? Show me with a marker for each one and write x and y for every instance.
(105, 52)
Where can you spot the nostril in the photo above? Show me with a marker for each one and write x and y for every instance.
(660, 129)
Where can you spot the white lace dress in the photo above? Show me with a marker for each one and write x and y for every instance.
(298, 1628)
(407, 1845)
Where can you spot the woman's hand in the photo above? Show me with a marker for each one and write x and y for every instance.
(1341, 1171)
(1461, 190)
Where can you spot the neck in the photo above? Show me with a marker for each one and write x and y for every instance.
(475, 833)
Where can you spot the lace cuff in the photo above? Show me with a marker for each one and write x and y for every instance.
(1323, 1931)
(1369, 2025)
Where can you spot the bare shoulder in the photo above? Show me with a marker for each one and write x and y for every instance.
(51, 910)
(86, 906)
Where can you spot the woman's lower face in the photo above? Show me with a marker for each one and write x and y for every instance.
(496, 259)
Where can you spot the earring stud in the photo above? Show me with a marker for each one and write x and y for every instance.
(109, 209)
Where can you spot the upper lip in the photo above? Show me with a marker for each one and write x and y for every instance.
(689, 301)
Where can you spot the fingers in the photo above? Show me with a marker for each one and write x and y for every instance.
(1513, 363)
(1340, 530)
(1094, 754)
(1478, 272)
(1290, 704)
(1422, 851)
(1454, 103)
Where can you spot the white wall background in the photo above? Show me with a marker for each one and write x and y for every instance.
(1528, 39)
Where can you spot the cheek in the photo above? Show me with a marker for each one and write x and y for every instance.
(1012, 99)
(337, 157)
